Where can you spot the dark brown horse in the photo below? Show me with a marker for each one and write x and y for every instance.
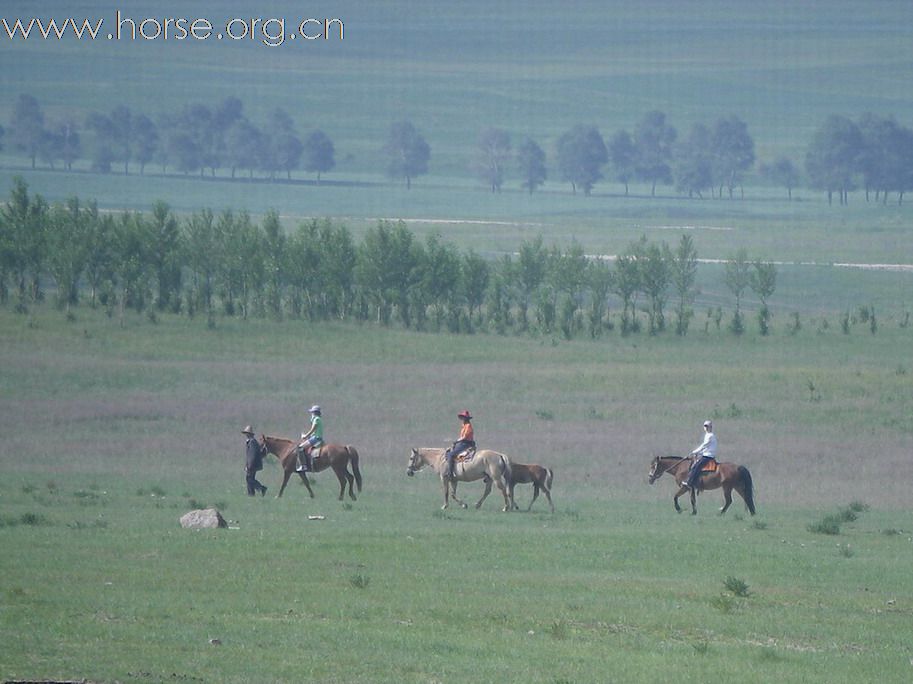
(335, 456)
(729, 476)
(537, 475)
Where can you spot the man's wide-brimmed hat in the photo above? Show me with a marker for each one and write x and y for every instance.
(465, 414)
(248, 430)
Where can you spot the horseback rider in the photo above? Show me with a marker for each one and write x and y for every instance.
(465, 441)
(704, 452)
(310, 440)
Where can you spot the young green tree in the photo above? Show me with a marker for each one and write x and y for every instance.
(737, 277)
(653, 142)
(763, 282)
(67, 243)
(684, 277)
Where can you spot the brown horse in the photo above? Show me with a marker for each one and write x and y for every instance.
(537, 475)
(486, 465)
(729, 476)
(335, 456)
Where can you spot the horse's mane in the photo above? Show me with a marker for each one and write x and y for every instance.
(278, 439)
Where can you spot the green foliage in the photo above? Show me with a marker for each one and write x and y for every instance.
(736, 586)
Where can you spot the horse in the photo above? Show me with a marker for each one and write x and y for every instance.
(539, 476)
(335, 456)
(729, 476)
(486, 465)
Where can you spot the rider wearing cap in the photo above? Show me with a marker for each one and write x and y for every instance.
(706, 451)
(465, 441)
(311, 439)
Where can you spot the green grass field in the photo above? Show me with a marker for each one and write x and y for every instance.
(112, 434)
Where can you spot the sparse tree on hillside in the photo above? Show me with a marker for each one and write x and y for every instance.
(284, 147)
(319, 154)
(161, 235)
(67, 242)
(531, 162)
(732, 152)
(623, 158)
(832, 159)
(581, 155)
(653, 140)
(407, 151)
(492, 157)
(27, 127)
(693, 162)
(782, 172)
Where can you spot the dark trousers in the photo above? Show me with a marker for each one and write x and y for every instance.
(695, 473)
(253, 486)
(458, 446)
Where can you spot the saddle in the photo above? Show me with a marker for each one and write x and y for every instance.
(710, 466)
(464, 455)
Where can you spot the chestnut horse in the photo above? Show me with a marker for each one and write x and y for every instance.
(537, 475)
(729, 476)
(486, 465)
(335, 456)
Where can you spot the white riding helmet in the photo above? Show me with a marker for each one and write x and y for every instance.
(708, 424)
(314, 409)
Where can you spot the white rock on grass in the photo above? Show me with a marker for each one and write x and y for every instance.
(203, 519)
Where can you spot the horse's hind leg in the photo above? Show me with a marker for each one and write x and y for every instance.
(487, 492)
(727, 499)
(535, 496)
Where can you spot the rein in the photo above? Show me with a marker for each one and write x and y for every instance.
(669, 467)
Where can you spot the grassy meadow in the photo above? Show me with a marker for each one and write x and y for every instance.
(112, 433)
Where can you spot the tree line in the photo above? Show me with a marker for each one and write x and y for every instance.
(227, 264)
(874, 153)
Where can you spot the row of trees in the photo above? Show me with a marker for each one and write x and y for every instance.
(227, 264)
(874, 152)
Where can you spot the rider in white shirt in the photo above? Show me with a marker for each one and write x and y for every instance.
(704, 452)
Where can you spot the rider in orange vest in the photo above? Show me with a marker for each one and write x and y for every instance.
(465, 441)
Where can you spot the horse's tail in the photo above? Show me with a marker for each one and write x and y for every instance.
(353, 459)
(505, 469)
(748, 487)
(549, 476)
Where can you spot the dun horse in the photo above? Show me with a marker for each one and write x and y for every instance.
(540, 477)
(729, 476)
(335, 456)
(486, 465)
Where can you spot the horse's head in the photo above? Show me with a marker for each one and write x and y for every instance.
(415, 462)
(656, 469)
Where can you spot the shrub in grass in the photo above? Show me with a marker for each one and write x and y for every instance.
(858, 506)
(723, 603)
(737, 586)
(829, 524)
(558, 630)
(34, 519)
(359, 581)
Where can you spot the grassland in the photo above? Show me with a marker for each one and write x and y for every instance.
(112, 433)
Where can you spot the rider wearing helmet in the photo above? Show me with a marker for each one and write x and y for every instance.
(466, 440)
(705, 451)
(311, 439)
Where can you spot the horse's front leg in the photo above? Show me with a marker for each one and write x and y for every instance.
(693, 502)
(727, 499)
(307, 483)
(286, 474)
(682, 490)
(453, 495)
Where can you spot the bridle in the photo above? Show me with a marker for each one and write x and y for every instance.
(654, 476)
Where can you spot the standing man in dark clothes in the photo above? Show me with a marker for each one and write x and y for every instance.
(253, 463)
